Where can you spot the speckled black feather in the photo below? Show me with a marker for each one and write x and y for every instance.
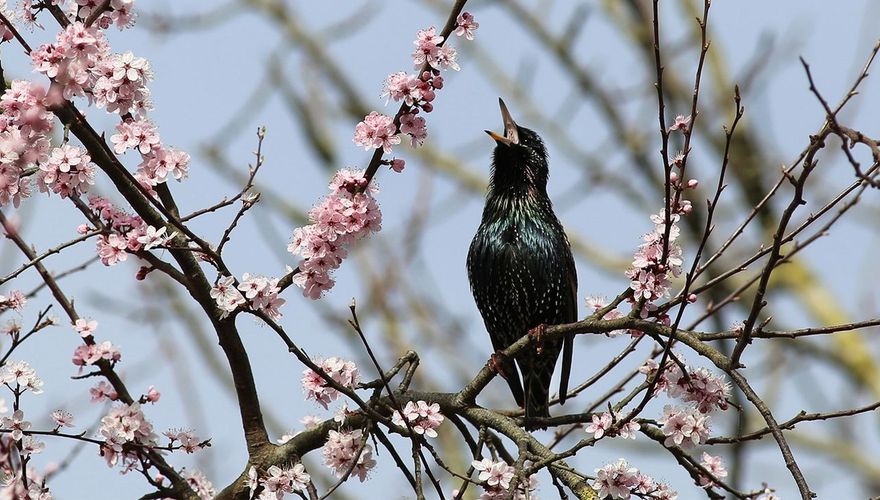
(521, 270)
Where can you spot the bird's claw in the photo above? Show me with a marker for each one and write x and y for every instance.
(496, 363)
(538, 334)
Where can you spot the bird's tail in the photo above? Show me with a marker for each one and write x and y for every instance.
(536, 383)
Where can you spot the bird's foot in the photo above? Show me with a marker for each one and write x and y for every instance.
(496, 362)
(538, 333)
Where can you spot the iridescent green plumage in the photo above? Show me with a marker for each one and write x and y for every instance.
(520, 267)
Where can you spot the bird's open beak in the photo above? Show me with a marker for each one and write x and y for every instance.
(511, 135)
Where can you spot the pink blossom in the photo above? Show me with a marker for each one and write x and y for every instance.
(427, 47)
(715, 466)
(681, 123)
(466, 26)
(285, 480)
(153, 237)
(649, 367)
(24, 105)
(494, 473)
(112, 249)
(187, 439)
(226, 295)
(89, 354)
(684, 426)
(422, 417)
(21, 374)
(138, 134)
(160, 162)
(629, 429)
(341, 218)
(152, 395)
(345, 373)
(707, 390)
(313, 283)
(125, 424)
(403, 87)
(103, 392)
(650, 278)
(121, 13)
(597, 303)
(376, 131)
(415, 126)
(262, 292)
(344, 450)
(700, 386)
(85, 327)
(601, 423)
(616, 480)
(445, 58)
(16, 423)
(200, 484)
(67, 172)
(31, 446)
(14, 300)
(62, 418)
(397, 165)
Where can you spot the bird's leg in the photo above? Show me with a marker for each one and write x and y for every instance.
(538, 333)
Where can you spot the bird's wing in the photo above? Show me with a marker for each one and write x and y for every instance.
(489, 271)
(569, 315)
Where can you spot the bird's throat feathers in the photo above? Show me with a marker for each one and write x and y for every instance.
(518, 178)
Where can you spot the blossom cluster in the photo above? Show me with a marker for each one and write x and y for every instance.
(15, 424)
(423, 418)
(350, 212)
(343, 372)
(68, 171)
(496, 476)
(347, 214)
(602, 424)
(124, 231)
(620, 480)
(708, 391)
(89, 354)
(278, 481)
(416, 91)
(348, 450)
(186, 440)
(103, 391)
(700, 386)
(649, 275)
(157, 161)
(702, 391)
(80, 62)
(684, 426)
(24, 126)
(22, 376)
(36, 487)
(200, 484)
(260, 292)
(716, 468)
(124, 424)
(596, 303)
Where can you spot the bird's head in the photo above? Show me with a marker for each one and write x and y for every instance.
(520, 159)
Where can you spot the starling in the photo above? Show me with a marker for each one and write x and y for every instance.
(521, 270)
